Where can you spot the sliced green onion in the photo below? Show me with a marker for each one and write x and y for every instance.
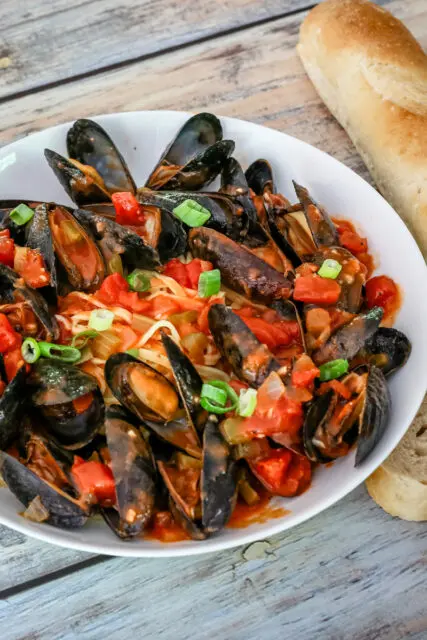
(247, 402)
(59, 352)
(209, 405)
(133, 352)
(21, 214)
(330, 269)
(30, 350)
(219, 396)
(101, 319)
(209, 283)
(333, 369)
(192, 213)
(138, 281)
(81, 339)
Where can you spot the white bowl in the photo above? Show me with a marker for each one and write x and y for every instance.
(141, 137)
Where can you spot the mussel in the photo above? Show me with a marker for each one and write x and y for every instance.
(240, 269)
(195, 156)
(90, 144)
(152, 398)
(349, 339)
(333, 423)
(68, 401)
(322, 228)
(17, 232)
(60, 507)
(12, 408)
(39, 238)
(134, 473)
(259, 177)
(250, 360)
(388, 349)
(14, 292)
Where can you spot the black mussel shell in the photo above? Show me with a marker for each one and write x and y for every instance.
(40, 238)
(64, 510)
(81, 187)
(114, 239)
(240, 269)
(188, 381)
(91, 145)
(218, 481)
(233, 180)
(12, 409)
(322, 228)
(17, 232)
(391, 347)
(259, 176)
(13, 289)
(134, 472)
(318, 412)
(375, 415)
(250, 360)
(347, 341)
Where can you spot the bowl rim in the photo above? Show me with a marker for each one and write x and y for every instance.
(272, 527)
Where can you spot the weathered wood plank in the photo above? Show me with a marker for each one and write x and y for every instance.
(352, 572)
(48, 42)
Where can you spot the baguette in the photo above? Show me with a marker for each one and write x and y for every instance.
(372, 75)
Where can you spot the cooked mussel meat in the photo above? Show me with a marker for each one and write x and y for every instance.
(134, 473)
(333, 422)
(68, 400)
(250, 360)
(90, 144)
(322, 228)
(240, 269)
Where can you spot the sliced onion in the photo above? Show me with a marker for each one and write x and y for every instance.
(36, 511)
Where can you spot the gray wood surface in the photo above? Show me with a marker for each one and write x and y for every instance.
(352, 572)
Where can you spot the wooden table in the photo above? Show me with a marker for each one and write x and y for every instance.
(351, 572)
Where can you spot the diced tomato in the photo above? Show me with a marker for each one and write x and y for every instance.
(7, 248)
(163, 306)
(96, 480)
(127, 336)
(128, 209)
(313, 289)
(30, 265)
(13, 361)
(111, 287)
(381, 291)
(304, 372)
(284, 415)
(131, 301)
(195, 268)
(2, 387)
(237, 385)
(187, 275)
(83, 403)
(352, 241)
(272, 334)
(283, 472)
(9, 338)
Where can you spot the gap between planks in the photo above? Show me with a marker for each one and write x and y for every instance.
(148, 56)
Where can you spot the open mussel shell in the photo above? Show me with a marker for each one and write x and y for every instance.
(14, 290)
(322, 228)
(17, 232)
(196, 136)
(349, 339)
(69, 401)
(240, 269)
(188, 381)
(152, 398)
(91, 145)
(39, 238)
(76, 250)
(218, 481)
(389, 349)
(233, 180)
(250, 360)
(365, 423)
(134, 473)
(64, 510)
(259, 177)
(12, 408)
(116, 240)
(287, 311)
(81, 182)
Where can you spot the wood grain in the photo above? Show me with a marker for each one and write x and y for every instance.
(331, 578)
(49, 42)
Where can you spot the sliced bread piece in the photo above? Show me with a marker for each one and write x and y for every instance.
(399, 485)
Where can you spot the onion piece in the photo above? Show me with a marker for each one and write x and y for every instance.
(36, 511)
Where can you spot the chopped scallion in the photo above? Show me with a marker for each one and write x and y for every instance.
(30, 350)
(209, 404)
(101, 319)
(209, 283)
(21, 214)
(247, 402)
(330, 269)
(59, 352)
(81, 339)
(333, 369)
(138, 281)
(192, 213)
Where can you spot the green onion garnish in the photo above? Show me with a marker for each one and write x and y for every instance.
(209, 283)
(59, 352)
(81, 339)
(209, 404)
(247, 402)
(192, 213)
(133, 352)
(30, 350)
(333, 369)
(219, 396)
(21, 214)
(101, 319)
(330, 269)
(138, 281)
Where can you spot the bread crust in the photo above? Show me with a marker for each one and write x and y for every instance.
(372, 74)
